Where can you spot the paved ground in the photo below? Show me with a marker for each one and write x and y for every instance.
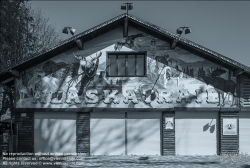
(142, 162)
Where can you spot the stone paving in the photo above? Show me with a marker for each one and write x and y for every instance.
(147, 162)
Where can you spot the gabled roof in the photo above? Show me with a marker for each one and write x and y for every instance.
(142, 25)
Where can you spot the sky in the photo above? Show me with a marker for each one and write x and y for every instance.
(221, 26)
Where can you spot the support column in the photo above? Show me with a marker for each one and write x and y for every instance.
(168, 133)
(83, 133)
(125, 27)
(229, 132)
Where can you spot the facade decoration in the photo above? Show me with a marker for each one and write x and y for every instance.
(229, 126)
(174, 78)
(129, 96)
(169, 123)
(6, 102)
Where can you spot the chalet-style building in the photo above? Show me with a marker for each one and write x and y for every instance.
(121, 89)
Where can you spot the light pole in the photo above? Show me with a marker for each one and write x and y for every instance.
(179, 31)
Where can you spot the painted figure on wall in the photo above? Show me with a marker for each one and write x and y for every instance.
(129, 41)
(172, 78)
(221, 85)
(6, 102)
(86, 70)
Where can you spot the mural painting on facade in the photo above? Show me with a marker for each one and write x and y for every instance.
(174, 78)
(6, 102)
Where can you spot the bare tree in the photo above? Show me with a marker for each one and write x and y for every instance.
(45, 35)
(24, 33)
(13, 18)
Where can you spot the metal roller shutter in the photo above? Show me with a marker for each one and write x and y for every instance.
(143, 133)
(244, 127)
(107, 133)
(196, 133)
(55, 132)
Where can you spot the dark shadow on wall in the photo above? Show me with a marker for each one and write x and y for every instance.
(113, 138)
(208, 125)
(55, 135)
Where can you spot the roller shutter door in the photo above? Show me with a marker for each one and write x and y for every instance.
(112, 134)
(107, 133)
(143, 133)
(54, 132)
(196, 133)
(244, 132)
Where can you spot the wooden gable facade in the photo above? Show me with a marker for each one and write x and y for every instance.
(125, 82)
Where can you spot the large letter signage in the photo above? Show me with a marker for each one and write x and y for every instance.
(91, 96)
(110, 96)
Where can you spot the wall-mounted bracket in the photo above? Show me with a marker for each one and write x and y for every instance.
(7, 80)
(79, 44)
(14, 73)
(237, 72)
(173, 44)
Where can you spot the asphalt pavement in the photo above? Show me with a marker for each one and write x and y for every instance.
(132, 161)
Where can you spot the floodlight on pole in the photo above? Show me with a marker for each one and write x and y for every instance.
(72, 31)
(179, 31)
(66, 30)
(127, 6)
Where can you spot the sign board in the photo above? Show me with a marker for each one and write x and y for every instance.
(169, 123)
(229, 126)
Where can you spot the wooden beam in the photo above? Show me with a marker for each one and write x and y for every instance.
(237, 72)
(229, 74)
(173, 44)
(93, 109)
(97, 109)
(15, 73)
(79, 44)
(187, 109)
(8, 80)
(125, 27)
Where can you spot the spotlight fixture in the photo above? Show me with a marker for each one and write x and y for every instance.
(180, 31)
(127, 6)
(67, 29)
(72, 31)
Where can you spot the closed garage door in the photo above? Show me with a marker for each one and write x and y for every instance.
(55, 132)
(143, 133)
(107, 133)
(244, 127)
(112, 134)
(196, 133)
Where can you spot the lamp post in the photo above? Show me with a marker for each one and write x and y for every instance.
(179, 31)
